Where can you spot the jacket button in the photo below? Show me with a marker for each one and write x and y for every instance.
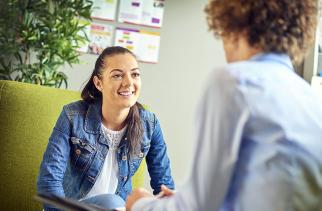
(78, 152)
(124, 157)
(141, 155)
(124, 178)
(125, 138)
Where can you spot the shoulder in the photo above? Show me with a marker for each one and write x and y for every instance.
(237, 76)
(226, 86)
(150, 122)
(221, 80)
(147, 116)
(235, 71)
(79, 107)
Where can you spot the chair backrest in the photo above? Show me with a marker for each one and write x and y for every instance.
(28, 113)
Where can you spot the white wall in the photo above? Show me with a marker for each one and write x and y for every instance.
(172, 87)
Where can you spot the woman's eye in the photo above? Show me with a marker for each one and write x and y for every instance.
(118, 76)
(136, 75)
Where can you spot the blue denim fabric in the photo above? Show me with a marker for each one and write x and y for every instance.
(77, 149)
(108, 201)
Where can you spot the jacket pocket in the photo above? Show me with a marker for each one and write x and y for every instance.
(81, 153)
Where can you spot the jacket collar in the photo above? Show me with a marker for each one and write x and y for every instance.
(93, 121)
(93, 118)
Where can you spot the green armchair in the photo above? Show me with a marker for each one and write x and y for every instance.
(27, 115)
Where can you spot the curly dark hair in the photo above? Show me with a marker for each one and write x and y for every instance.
(280, 26)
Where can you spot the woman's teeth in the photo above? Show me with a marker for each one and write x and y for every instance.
(125, 93)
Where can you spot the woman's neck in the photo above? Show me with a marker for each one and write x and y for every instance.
(113, 118)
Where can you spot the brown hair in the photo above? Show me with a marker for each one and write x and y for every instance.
(280, 26)
(91, 94)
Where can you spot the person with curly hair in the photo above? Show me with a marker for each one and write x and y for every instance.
(259, 124)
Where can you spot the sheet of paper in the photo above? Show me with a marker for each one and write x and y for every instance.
(144, 44)
(84, 33)
(130, 11)
(152, 14)
(101, 36)
(149, 46)
(104, 9)
(128, 38)
(142, 12)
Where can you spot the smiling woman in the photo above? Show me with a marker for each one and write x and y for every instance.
(99, 142)
(120, 83)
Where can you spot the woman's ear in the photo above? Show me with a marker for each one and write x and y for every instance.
(97, 82)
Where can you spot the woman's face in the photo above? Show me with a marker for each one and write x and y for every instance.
(120, 82)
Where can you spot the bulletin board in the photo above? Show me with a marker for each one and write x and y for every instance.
(142, 20)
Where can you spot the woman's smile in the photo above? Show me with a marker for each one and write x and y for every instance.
(126, 93)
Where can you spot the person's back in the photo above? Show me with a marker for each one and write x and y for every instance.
(281, 142)
(259, 125)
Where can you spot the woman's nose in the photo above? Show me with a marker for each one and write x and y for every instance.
(127, 80)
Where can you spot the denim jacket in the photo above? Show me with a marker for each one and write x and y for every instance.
(77, 149)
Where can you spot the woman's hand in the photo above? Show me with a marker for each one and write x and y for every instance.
(143, 193)
(165, 192)
(136, 195)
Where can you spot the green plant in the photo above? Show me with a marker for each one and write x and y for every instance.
(39, 36)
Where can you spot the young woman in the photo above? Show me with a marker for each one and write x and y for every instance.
(99, 142)
(259, 126)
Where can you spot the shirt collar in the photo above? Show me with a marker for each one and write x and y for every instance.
(283, 59)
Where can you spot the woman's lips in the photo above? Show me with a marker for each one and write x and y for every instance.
(126, 93)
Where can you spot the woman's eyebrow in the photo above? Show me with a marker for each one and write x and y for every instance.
(119, 70)
(136, 68)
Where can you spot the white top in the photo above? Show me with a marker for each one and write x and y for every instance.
(107, 179)
(259, 143)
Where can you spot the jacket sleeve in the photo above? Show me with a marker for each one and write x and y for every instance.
(158, 161)
(55, 159)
